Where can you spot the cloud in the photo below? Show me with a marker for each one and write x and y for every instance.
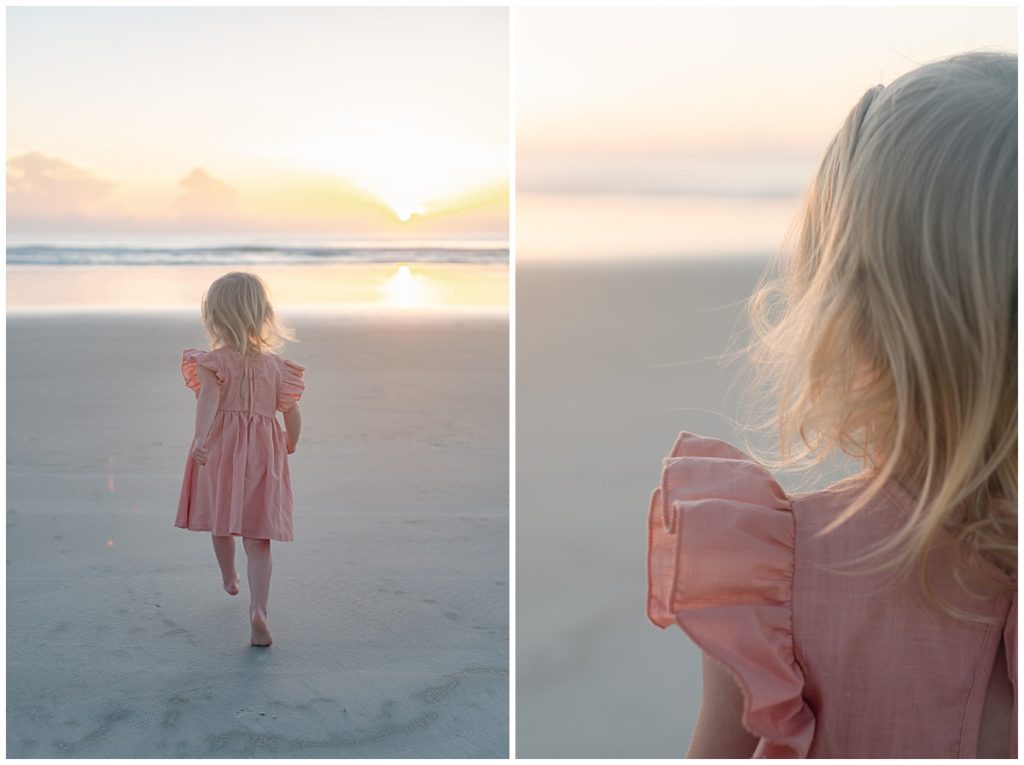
(48, 195)
(39, 186)
(205, 198)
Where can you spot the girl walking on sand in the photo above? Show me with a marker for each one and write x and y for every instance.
(236, 480)
(877, 617)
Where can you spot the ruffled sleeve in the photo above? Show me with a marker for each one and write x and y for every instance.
(720, 566)
(292, 385)
(191, 360)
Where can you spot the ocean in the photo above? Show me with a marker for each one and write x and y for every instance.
(86, 253)
(146, 274)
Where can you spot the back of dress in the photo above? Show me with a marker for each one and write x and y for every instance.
(244, 489)
(831, 664)
(875, 653)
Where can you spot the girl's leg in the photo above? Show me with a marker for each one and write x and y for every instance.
(224, 548)
(259, 567)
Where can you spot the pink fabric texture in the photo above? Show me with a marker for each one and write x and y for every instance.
(244, 489)
(830, 664)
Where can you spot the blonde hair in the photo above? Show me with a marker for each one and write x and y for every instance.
(891, 333)
(237, 313)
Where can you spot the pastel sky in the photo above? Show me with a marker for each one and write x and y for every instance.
(693, 131)
(682, 99)
(359, 123)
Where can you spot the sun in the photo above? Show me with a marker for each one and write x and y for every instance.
(405, 212)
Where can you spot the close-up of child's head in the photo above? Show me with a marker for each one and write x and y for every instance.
(238, 314)
(891, 333)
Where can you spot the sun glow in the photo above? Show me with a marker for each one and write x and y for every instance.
(412, 173)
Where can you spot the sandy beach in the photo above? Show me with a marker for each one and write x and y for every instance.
(613, 360)
(389, 610)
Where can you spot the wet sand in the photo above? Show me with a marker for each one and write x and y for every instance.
(444, 287)
(389, 610)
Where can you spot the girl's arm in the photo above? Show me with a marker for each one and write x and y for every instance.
(719, 731)
(206, 410)
(292, 427)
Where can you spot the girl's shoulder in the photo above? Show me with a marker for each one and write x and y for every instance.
(722, 527)
(221, 355)
(288, 368)
(292, 383)
(227, 355)
(194, 358)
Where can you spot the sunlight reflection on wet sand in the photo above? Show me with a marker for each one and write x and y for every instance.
(327, 287)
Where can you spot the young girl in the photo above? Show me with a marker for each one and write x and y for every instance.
(878, 617)
(236, 476)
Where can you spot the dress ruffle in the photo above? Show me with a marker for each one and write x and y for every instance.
(191, 360)
(720, 565)
(291, 385)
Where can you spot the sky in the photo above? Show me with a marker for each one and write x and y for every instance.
(357, 123)
(694, 131)
(708, 89)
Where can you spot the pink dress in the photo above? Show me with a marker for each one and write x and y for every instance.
(244, 489)
(830, 664)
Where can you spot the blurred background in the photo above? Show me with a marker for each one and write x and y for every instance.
(661, 157)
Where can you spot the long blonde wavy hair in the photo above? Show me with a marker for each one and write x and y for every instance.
(237, 313)
(887, 330)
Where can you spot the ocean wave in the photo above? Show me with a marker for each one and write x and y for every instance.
(42, 254)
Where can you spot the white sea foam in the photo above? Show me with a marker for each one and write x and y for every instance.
(134, 254)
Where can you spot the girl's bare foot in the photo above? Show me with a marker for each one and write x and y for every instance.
(260, 631)
(231, 585)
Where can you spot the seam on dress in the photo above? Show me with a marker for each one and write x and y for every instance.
(792, 596)
(798, 663)
(974, 690)
(801, 661)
